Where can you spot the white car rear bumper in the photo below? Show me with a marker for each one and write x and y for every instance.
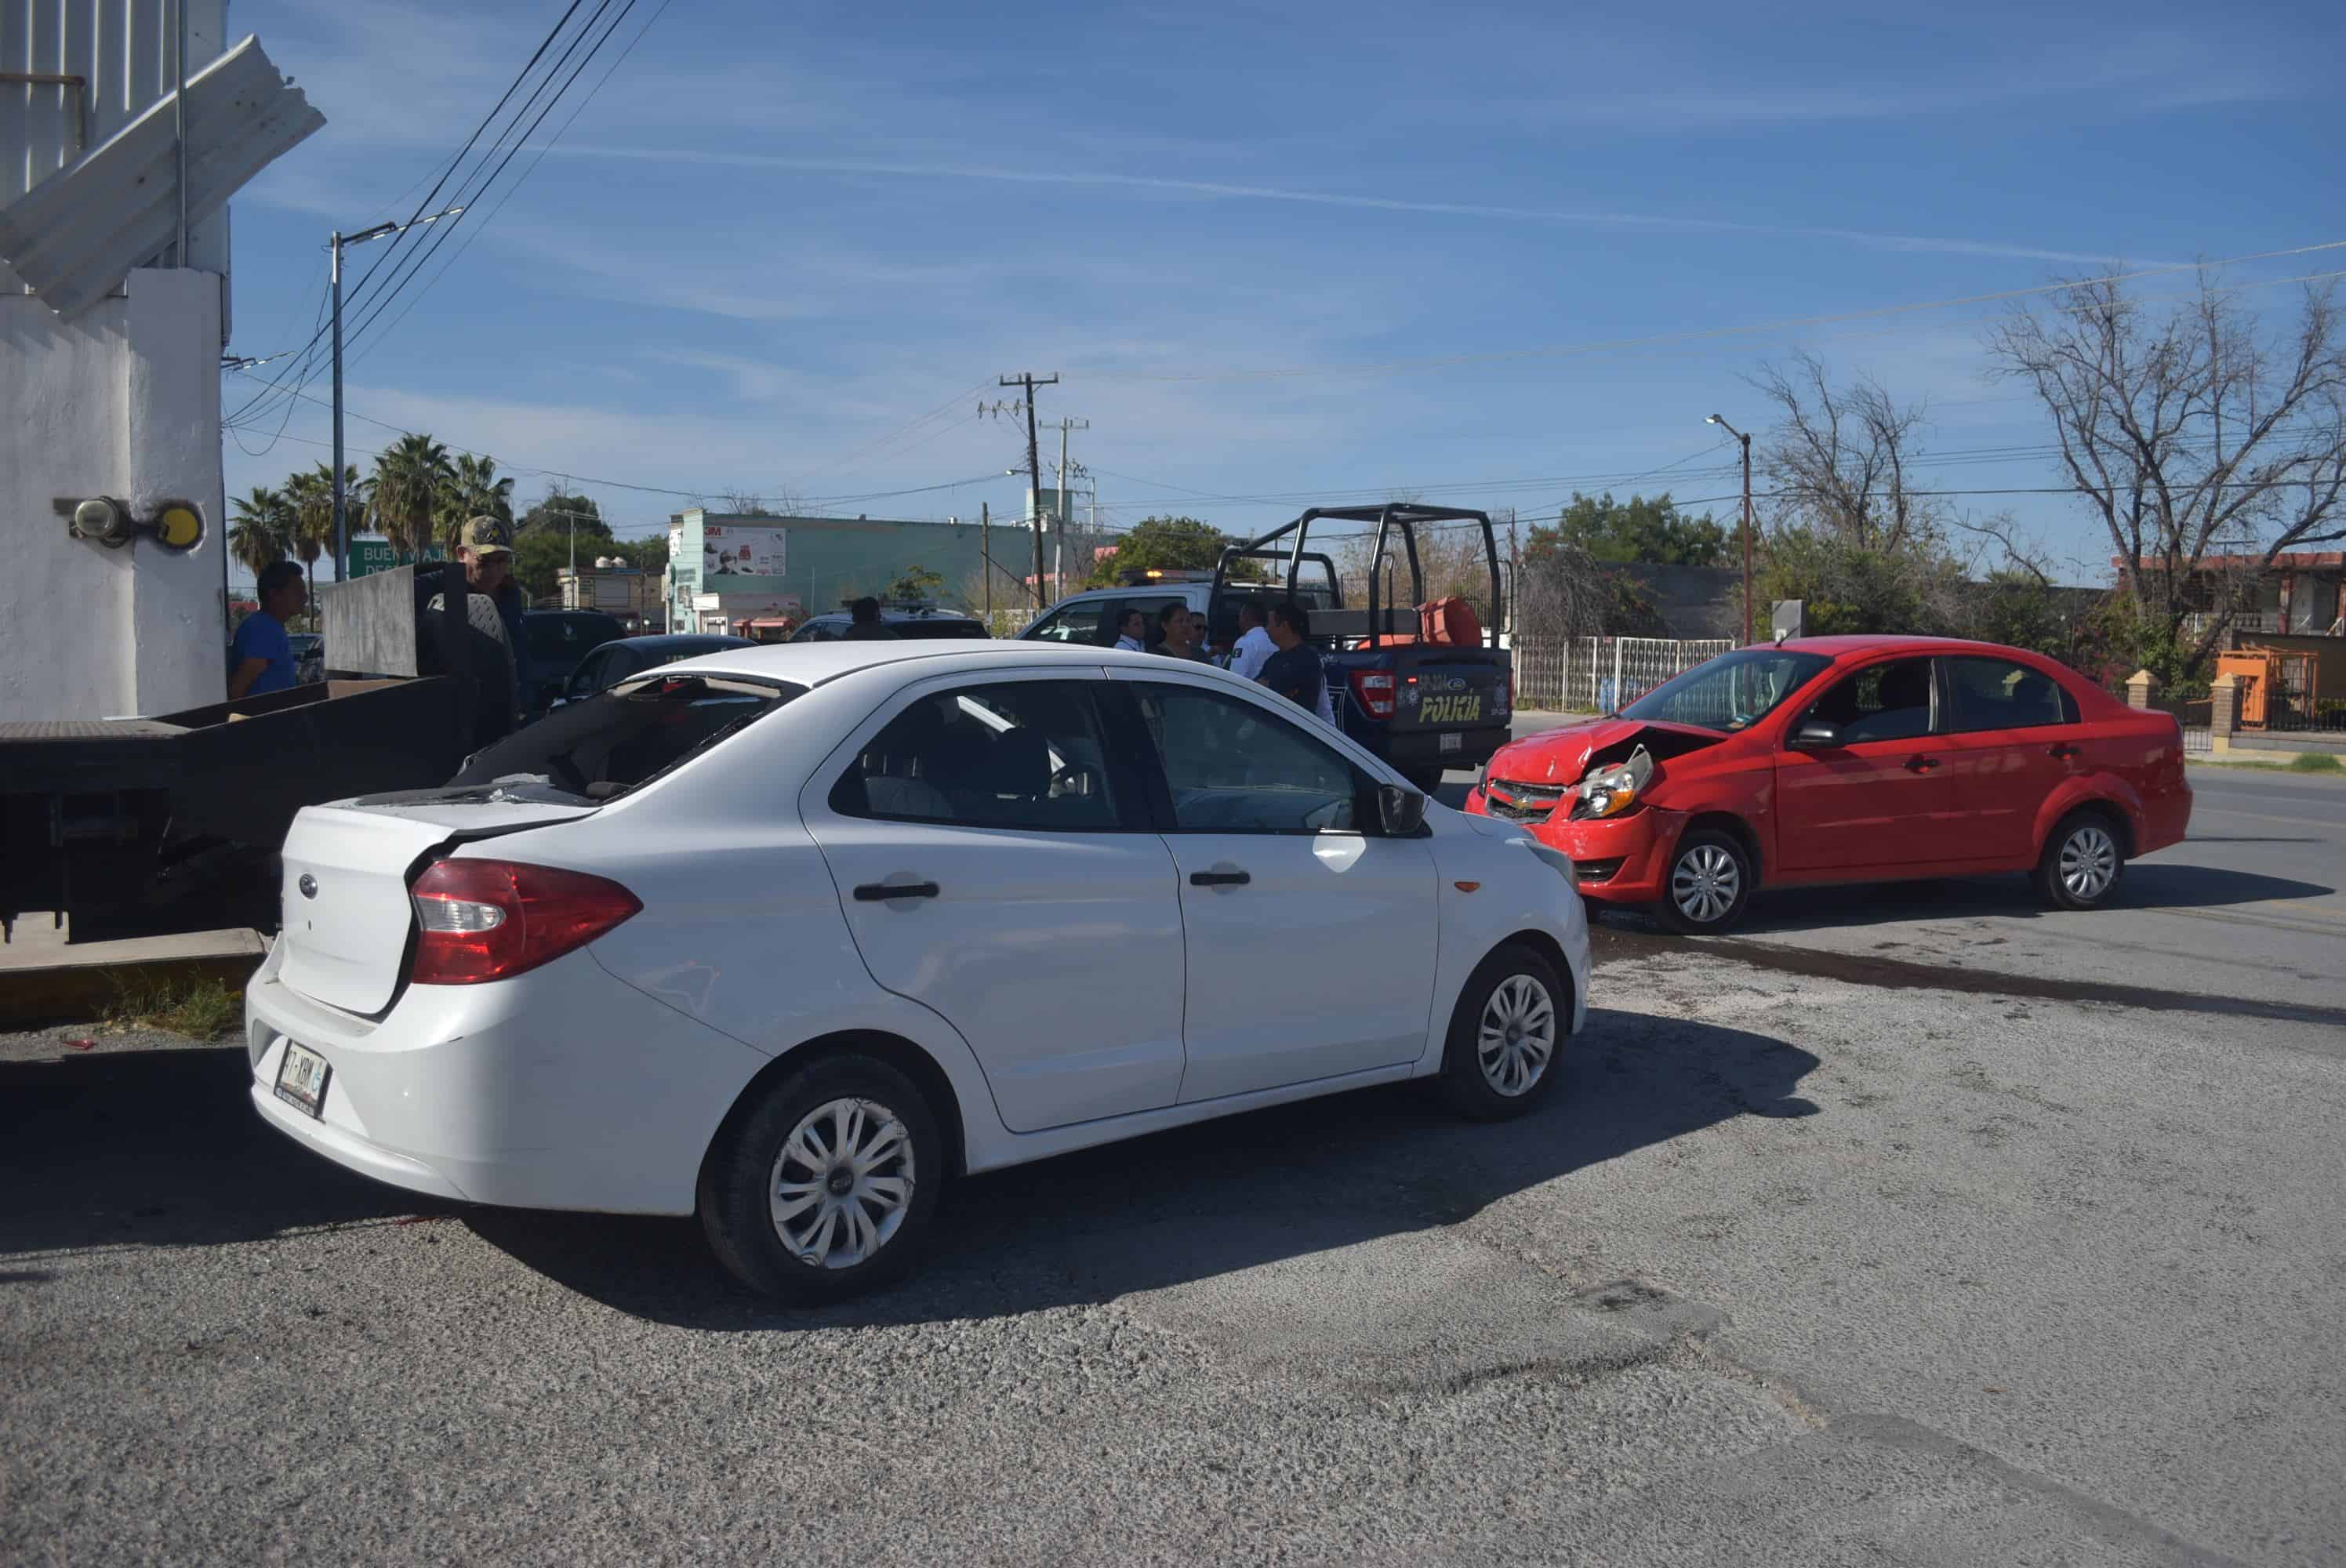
(565, 1088)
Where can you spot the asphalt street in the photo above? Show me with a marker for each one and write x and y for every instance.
(1826, 1251)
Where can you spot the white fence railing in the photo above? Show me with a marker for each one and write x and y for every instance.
(1599, 675)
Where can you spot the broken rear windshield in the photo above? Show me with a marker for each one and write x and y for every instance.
(628, 736)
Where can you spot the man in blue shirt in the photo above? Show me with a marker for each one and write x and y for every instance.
(260, 658)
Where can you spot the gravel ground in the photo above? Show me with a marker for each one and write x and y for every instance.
(1794, 1269)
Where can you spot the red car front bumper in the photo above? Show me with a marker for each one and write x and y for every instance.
(1621, 859)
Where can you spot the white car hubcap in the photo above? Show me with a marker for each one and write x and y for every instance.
(2089, 863)
(1705, 883)
(1517, 1036)
(842, 1185)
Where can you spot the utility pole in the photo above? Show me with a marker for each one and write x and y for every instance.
(337, 243)
(985, 553)
(1746, 442)
(1059, 556)
(1028, 382)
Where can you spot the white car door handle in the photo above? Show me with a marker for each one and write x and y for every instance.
(881, 892)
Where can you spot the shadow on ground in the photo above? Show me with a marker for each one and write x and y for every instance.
(1207, 1200)
(161, 1148)
(164, 1149)
(2149, 885)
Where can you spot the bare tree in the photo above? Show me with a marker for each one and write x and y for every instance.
(1450, 556)
(2190, 435)
(1839, 458)
(749, 504)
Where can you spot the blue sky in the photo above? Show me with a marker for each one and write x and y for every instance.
(1247, 239)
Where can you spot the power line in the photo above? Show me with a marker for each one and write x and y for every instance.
(481, 187)
(840, 465)
(306, 366)
(474, 232)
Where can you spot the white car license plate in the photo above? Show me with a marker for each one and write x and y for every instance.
(301, 1078)
(1454, 742)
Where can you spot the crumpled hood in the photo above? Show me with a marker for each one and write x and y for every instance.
(1561, 756)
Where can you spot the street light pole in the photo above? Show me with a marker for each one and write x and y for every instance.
(336, 244)
(1746, 442)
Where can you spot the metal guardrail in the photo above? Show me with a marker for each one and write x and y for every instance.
(1600, 674)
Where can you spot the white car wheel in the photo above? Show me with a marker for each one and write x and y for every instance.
(821, 1186)
(1513, 1016)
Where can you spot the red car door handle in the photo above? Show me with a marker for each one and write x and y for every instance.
(2064, 751)
(1922, 764)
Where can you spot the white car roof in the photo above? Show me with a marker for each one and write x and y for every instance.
(811, 663)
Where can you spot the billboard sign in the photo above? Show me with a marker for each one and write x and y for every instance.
(736, 550)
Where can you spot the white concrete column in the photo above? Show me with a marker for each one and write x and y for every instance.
(122, 400)
(177, 627)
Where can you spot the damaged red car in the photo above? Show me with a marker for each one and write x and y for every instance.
(1848, 759)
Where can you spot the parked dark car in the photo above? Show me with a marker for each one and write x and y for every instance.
(607, 666)
(904, 620)
(558, 640)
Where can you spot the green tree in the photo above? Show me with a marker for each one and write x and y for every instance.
(310, 495)
(914, 584)
(648, 557)
(562, 511)
(540, 559)
(1847, 585)
(1639, 532)
(405, 497)
(550, 531)
(473, 490)
(261, 530)
(1170, 543)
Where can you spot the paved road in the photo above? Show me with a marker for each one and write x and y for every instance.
(1799, 1266)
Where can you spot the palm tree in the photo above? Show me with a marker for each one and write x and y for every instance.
(405, 494)
(310, 497)
(263, 525)
(477, 491)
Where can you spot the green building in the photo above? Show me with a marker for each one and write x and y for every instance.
(731, 568)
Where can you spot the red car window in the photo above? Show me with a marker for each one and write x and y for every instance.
(1887, 701)
(2000, 694)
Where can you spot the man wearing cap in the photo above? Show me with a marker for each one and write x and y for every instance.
(495, 604)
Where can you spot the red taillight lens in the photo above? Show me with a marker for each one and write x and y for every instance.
(1373, 690)
(489, 920)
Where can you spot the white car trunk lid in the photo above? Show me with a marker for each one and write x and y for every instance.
(345, 911)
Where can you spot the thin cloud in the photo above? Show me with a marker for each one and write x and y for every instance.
(1907, 242)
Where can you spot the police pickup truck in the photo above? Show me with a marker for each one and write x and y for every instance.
(1401, 679)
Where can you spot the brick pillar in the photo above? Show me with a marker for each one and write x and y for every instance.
(2141, 686)
(2223, 705)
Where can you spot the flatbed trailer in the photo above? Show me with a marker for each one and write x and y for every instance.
(157, 825)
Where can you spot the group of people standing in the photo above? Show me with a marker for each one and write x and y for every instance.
(1273, 648)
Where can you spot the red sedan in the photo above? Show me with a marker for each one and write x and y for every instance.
(1848, 759)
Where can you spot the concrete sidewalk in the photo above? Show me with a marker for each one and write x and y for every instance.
(43, 978)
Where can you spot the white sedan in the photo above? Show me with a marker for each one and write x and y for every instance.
(787, 936)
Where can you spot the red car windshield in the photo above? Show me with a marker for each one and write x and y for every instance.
(1730, 692)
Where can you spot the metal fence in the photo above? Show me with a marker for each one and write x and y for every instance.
(1600, 675)
(2295, 705)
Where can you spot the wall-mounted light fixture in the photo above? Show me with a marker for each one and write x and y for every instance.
(173, 524)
